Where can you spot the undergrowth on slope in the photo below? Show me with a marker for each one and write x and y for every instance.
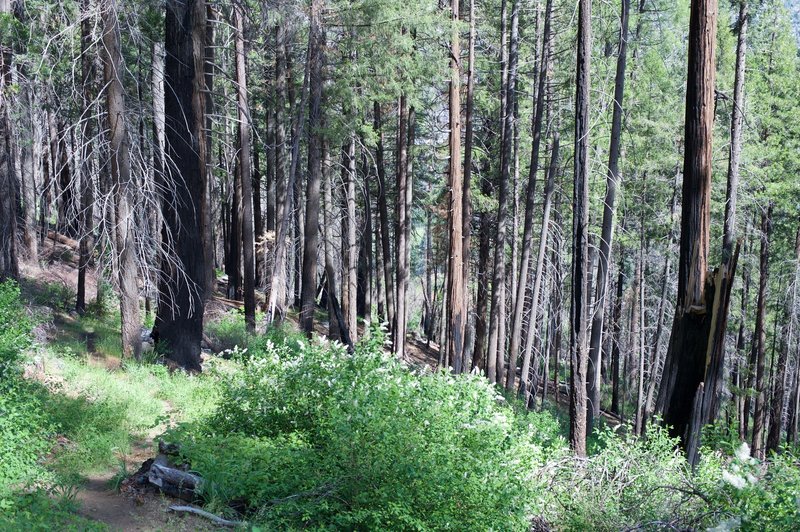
(307, 435)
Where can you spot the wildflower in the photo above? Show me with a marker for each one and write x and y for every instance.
(734, 480)
(743, 452)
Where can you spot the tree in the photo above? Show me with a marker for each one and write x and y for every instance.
(579, 358)
(87, 131)
(179, 321)
(456, 318)
(9, 265)
(497, 312)
(244, 175)
(527, 234)
(404, 191)
(612, 182)
(684, 366)
(760, 339)
(123, 183)
(316, 61)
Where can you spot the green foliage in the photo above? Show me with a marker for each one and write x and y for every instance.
(230, 331)
(750, 495)
(58, 296)
(628, 483)
(24, 435)
(15, 327)
(38, 512)
(309, 435)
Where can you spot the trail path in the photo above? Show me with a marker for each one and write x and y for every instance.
(126, 509)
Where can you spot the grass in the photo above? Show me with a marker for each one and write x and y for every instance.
(95, 410)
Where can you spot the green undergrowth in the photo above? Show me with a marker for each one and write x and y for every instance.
(306, 435)
(77, 414)
(294, 434)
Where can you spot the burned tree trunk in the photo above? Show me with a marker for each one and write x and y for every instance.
(684, 367)
(9, 265)
(760, 338)
(179, 322)
(87, 132)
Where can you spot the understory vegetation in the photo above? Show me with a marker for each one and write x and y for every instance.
(295, 434)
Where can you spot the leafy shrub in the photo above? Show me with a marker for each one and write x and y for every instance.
(56, 295)
(230, 331)
(24, 430)
(309, 435)
(38, 512)
(15, 328)
(628, 483)
(746, 494)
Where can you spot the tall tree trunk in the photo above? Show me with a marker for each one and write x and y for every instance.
(579, 355)
(609, 206)
(482, 294)
(350, 281)
(538, 278)
(780, 377)
(467, 178)
(383, 214)
(337, 326)
(365, 252)
(123, 182)
(9, 265)
(737, 116)
(456, 286)
(402, 214)
(615, 344)
(208, 100)
(794, 397)
(497, 340)
(316, 60)
(760, 338)
(285, 195)
(684, 365)
(179, 322)
(527, 231)
(87, 152)
(258, 217)
(245, 174)
(638, 420)
(723, 281)
(558, 295)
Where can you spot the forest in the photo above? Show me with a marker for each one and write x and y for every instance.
(400, 265)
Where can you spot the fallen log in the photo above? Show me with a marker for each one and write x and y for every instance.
(63, 239)
(173, 481)
(217, 520)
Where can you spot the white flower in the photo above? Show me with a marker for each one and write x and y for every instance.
(743, 452)
(729, 524)
(751, 478)
(734, 480)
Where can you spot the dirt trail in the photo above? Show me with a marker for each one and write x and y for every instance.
(99, 502)
(131, 509)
